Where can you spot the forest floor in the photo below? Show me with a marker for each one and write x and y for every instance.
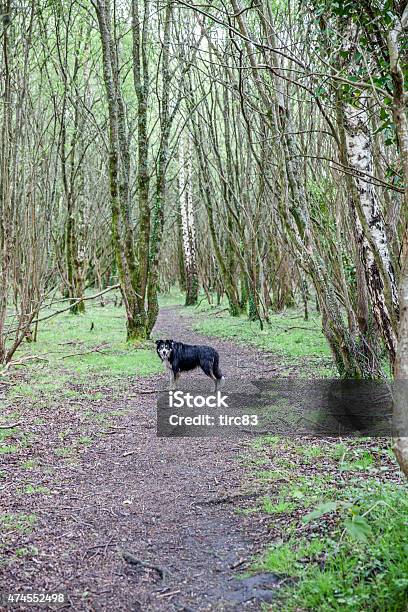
(87, 487)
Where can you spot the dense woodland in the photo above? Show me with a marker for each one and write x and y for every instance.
(257, 151)
(248, 159)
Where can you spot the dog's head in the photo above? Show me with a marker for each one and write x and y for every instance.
(164, 348)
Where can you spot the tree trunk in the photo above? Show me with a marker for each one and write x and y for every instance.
(5, 184)
(130, 278)
(188, 224)
(369, 226)
(158, 213)
(181, 267)
(141, 85)
(400, 419)
(399, 107)
(225, 269)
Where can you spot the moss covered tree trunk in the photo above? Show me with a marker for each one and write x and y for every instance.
(158, 214)
(121, 224)
(6, 202)
(226, 266)
(140, 29)
(72, 182)
(401, 377)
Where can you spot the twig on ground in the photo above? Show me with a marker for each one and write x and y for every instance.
(10, 426)
(294, 327)
(215, 314)
(22, 362)
(227, 499)
(113, 429)
(135, 561)
(162, 595)
(97, 349)
(128, 453)
(238, 563)
(149, 391)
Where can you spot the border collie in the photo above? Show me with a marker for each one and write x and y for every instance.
(179, 357)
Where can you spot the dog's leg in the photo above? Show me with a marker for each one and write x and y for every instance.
(172, 381)
(216, 373)
(218, 383)
(215, 383)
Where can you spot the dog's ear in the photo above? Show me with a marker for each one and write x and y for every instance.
(158, 342)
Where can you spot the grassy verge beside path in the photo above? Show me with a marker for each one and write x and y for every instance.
(336, 509)
(287, 335)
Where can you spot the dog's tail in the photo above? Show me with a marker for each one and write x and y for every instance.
(216, 368)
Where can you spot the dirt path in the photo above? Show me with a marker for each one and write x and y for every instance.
(170, 504)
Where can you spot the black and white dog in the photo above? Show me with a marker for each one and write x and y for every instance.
(179, 357)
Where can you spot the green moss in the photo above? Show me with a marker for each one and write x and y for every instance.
(17, 522)
(38, 490)
(30, 464)
(6, 449)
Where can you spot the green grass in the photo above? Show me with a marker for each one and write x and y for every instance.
(17, 522)
(30, 464)
(29, 551)
(8, 433)
(343, 532)
(311, 451)
(285, 559)
(39, 490)
(344, 571)
(64, 451)
(264, 441)
(77, 359)
(84, 440)
(365, 462)
(268, 475)
(6, 449)
(173, 298)
(287, 335)
(277, 507)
